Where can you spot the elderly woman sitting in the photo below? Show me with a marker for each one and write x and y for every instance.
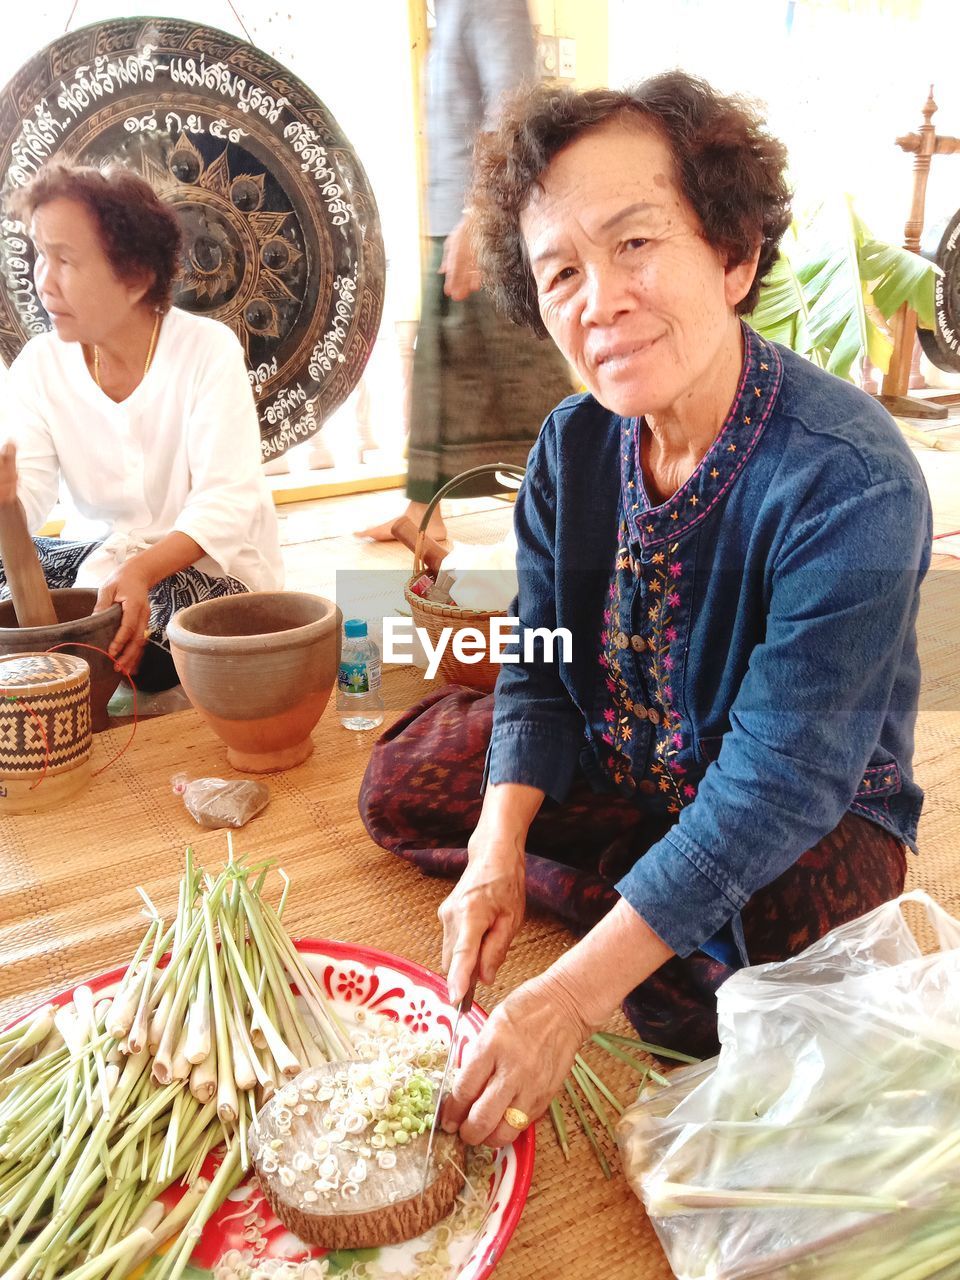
(735, 540)
(144, 412)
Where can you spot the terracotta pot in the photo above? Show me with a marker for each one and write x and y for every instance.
(78, 622)
(259, 668)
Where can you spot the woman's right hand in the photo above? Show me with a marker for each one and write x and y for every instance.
(8, 473)
(483, 913)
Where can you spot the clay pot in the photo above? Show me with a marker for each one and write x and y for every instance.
(78, 622)
(259, 668)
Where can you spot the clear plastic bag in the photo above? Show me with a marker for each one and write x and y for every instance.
(824, 1141)
(219, 802)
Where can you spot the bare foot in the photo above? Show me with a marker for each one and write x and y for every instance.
(384, 532)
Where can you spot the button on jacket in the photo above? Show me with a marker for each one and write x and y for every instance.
(744, 654)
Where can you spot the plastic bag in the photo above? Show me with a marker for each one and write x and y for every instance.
(217, 802)
(824, 1141)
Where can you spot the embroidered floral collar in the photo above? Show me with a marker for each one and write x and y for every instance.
(718, 469)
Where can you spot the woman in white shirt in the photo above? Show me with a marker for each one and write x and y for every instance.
(141, 413)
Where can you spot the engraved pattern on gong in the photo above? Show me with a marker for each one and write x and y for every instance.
(245, 260)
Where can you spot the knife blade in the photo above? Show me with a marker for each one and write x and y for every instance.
(464, 1005)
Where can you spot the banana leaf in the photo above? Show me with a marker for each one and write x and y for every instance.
(897, 276)
(781, 313)
(830, 276)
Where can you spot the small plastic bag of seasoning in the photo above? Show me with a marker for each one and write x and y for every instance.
(221, 802)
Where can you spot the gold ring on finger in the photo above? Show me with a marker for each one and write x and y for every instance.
(516, 1118)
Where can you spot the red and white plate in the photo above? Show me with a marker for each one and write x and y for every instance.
(362, 982)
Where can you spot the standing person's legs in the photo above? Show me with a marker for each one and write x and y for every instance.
(481, 390)
(425, 439)
(482, 387)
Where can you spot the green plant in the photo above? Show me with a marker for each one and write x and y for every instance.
(834, 286)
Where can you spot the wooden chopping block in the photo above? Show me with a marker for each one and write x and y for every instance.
(28, 587)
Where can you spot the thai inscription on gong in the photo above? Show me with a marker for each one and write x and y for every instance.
(941, 344)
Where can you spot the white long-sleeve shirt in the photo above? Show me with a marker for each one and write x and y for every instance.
(182, 452)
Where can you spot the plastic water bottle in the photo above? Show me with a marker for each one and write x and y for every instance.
(359, 698)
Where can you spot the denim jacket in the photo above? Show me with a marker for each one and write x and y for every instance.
(743, 655)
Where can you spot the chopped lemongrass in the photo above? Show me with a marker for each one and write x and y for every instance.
(24, 1038)
(284, 1059)
(560, 1127)
(171, 1224)
(226, 1088)
(613, 1047)
(123, 1007)
(603, 1038)
(586, 1088)
(138, 1031)
(92, 1128)
(675, 1197)
(203, 1077)
(99, 1265)
(598, 1083)
(587, 1128)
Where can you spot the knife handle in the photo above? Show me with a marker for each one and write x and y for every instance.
(466, 1001)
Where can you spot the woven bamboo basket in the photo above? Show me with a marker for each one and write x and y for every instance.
(45, 731)
(434, 617)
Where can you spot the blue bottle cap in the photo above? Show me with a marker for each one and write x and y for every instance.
(355, 628)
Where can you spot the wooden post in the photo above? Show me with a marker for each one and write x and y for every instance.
(924, 144)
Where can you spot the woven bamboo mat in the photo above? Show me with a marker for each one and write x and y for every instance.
(68, 905)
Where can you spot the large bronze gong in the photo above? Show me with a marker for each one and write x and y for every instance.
(941, 344)
(282, 234)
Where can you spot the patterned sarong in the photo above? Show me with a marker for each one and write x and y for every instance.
(421, 798)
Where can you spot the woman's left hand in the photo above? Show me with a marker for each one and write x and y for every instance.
(129, 587)
(519, 1060)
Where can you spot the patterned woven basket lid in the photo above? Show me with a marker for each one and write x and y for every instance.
(41, 673)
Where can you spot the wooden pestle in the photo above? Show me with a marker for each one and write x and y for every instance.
(31, 597)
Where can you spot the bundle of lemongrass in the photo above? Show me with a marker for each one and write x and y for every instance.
(105, 1103)
(824, 1140)
(587, 1093)
(858, 1180)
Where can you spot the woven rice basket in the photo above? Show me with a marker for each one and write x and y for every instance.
(45, 731)
(435, 618)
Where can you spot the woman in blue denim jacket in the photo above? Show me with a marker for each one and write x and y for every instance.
(720, 770)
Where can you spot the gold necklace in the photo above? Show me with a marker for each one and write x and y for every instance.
(146, 364)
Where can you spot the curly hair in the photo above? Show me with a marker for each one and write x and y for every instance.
(729, 169)
(139, 233)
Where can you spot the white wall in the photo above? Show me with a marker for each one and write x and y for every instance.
(850, 77)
